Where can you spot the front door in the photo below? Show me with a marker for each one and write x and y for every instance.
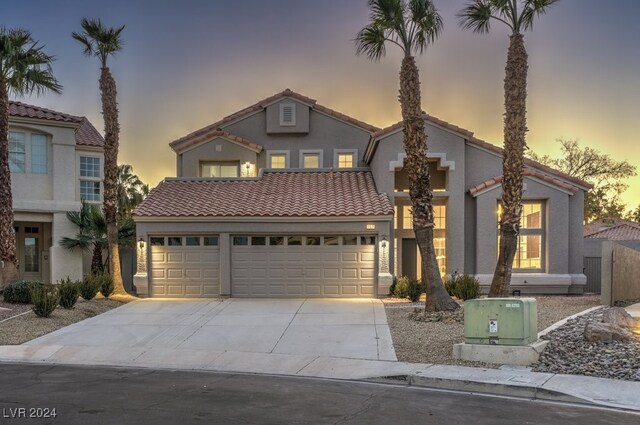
(410, 258)
(29, 247)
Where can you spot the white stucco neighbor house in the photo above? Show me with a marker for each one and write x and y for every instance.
(56, 159)
(289, 198)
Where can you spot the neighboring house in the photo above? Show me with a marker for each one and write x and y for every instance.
(291, 198)
(56, 160)
(624, 232)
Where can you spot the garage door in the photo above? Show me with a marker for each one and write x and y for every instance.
(184, 266)
(309, 266)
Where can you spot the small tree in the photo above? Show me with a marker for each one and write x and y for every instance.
(605, 174)
(634, 215)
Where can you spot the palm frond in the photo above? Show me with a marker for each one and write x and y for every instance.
(426, 24)
(532, 9)
(476, 16)
(370, 41)
(99, 40)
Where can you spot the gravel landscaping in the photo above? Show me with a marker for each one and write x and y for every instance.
(432, 342)
(9, 310)
(21, 329)
(568, 352)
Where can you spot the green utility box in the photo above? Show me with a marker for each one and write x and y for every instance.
(501, 321)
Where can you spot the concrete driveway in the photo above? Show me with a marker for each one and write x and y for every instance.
(196, 333)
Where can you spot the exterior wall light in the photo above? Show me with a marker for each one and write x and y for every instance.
(384, 242)
(141, 243)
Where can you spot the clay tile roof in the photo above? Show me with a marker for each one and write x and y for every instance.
(86, 133)
(260, 105)
(275, 194)
(493, 182)
(181, 146)
(621, 232)
(606, 224)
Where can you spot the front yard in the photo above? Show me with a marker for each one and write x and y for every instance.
(21, 328)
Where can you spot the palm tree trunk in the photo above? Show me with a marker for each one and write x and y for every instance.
(9, 263)
(97, 267)
(111, 135)
(417, 166)
(515, 128)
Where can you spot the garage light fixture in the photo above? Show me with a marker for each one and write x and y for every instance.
(141, 243)
(384, 242)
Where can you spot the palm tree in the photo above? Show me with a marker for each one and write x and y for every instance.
(103, 43)
(131, 191)
(518, 15)
(92, 231)
(24, 69)
(411, 25)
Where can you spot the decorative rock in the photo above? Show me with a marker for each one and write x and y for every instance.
(605, 332)
(618, 316)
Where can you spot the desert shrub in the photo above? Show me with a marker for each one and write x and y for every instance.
(463, 286)
(89, 287)
(414, 290)
(69, 293)
(19, 292)
(402, 287)
(392, 288)
(105, 282)
(45, 299)
(468, 287)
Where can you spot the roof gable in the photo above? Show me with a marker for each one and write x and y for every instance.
(473, 141)
(621, 232)
(262, 104)
(184, 145)
(528, 172)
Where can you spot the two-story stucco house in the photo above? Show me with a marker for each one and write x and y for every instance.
(291, 198)
(56, 160)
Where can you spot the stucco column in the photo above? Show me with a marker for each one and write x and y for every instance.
(64, 262)
(225, 264)
(385, 279)
(141, 278)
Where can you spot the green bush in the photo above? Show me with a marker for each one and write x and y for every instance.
(19, 292)
(465, 287)
(402, 287)
(89, 287)
(392, 288)
(106, 284)
(69, 293)
(45, 299)
(414, 290)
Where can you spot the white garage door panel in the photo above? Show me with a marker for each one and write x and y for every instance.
(185, 271)
(302, 270)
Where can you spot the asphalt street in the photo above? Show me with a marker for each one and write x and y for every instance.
(80, 395)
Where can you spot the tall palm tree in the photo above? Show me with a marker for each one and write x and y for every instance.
(518, 15)
(411, 25)
(103, 42)
(24, 69)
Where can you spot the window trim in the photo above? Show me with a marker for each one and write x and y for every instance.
(304, 152)
(23, 153)
(291, 123)
(338, 152)
(271, 153)
(219, 164)
(98, 179)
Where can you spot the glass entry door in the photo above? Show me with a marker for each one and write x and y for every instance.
(29, 250)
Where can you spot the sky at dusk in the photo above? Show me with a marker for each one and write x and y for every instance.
(188, 63)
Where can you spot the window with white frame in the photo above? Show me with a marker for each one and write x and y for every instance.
(28, 153)
(90, 174)
(287, 114)
(17, 152)
(219, 169)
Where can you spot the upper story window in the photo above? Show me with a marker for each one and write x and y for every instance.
(530, 246)
(90, 174)
(219, 169)
(28, 153)
(310, 158)
(278, 161)
(438, 179)
(287, 114)
(439, 217)
(345, 160)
